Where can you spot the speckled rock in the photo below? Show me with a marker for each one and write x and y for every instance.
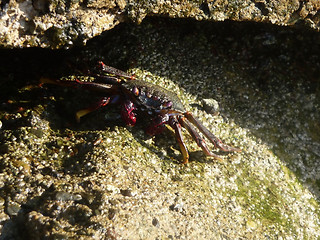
(61, 24)
(99, 179)
(56, 24)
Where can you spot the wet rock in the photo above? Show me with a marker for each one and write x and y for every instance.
(112, 214)
(155, 222)
(13, 208)
(210, 106)
(65, 196)
(126, 192)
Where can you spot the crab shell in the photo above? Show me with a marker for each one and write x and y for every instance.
(151, 97)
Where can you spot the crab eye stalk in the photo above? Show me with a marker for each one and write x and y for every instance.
(135, 91)
(167, 104)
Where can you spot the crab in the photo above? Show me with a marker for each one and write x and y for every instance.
(139, 98)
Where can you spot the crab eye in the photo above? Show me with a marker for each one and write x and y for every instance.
(156, 98)
(135, 91)
(149, 95)
(167, 104)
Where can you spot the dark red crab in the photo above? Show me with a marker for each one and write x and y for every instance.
(138, 97)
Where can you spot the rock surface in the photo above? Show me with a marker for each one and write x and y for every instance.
(102, 180)
(61, 24)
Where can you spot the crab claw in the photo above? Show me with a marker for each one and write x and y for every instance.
(127, 113)
(103, 102)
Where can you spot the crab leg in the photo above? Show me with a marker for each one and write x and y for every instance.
(116, 72)
(216, 141)
(101, 103)
(98, 87)
(195, 135)
(105, 88)
(177, 129)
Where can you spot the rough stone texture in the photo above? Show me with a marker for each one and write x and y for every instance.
(99, 179)
(57, 23)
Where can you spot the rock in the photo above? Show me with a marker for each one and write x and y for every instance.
(56, 24)
(210, 106)
(62, 24)
(61, 183)
(13, 209)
